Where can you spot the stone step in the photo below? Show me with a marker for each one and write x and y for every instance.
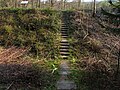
(64, 44)
(64, 53)
(64, 32)
(64, 64)
(63, 23)
(66, 85)
(64, 36)
(65, 70)
(64, 73)
(64, 47)
(64, 50)
(64, 29)
(64, 57)
(64, 40)
(63, 77)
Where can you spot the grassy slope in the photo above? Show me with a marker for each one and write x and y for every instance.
(94, 53)
(37, 30)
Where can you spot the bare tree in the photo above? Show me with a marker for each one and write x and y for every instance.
(94, 8)
(16, 1)
(79, 3)
(51, 3)
(39, 3)
(62, 4)
(65, 4)
(32, 3)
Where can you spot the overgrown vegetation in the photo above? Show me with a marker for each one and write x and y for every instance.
(37, 29)
(96, 52)
(24, 35)
(30, 39)
(111, 20)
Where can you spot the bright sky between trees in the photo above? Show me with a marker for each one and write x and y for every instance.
(88, 0)
(81, 0)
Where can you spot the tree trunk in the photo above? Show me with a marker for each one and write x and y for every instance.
(79, 3)
(15, 3)
(51, 3)
(32, 4)
(39, 3)
(64, 4)
(94, 8)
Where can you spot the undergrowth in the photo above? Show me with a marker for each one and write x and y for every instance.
(37, 29)
(39, 32)
(94, 62)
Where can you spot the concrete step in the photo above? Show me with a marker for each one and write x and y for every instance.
(64, 36)
(66, 85)
(64, 73)
(64, 53)
(64, 57)
(64, 40)
(63, 23)
(63, 77)
(64, 32)
(64, 29)
(64, 64)
(64, 50)
(64, 47)
(64, 44)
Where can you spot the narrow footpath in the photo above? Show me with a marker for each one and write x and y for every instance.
(64, 83)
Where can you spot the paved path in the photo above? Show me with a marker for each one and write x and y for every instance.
(64, 83)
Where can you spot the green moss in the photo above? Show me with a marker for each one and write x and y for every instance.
(33, 28)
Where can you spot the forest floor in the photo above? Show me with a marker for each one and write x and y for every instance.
(20, 71)
(90, 61)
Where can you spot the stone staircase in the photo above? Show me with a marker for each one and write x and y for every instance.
(64, 48)
(64, 83)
